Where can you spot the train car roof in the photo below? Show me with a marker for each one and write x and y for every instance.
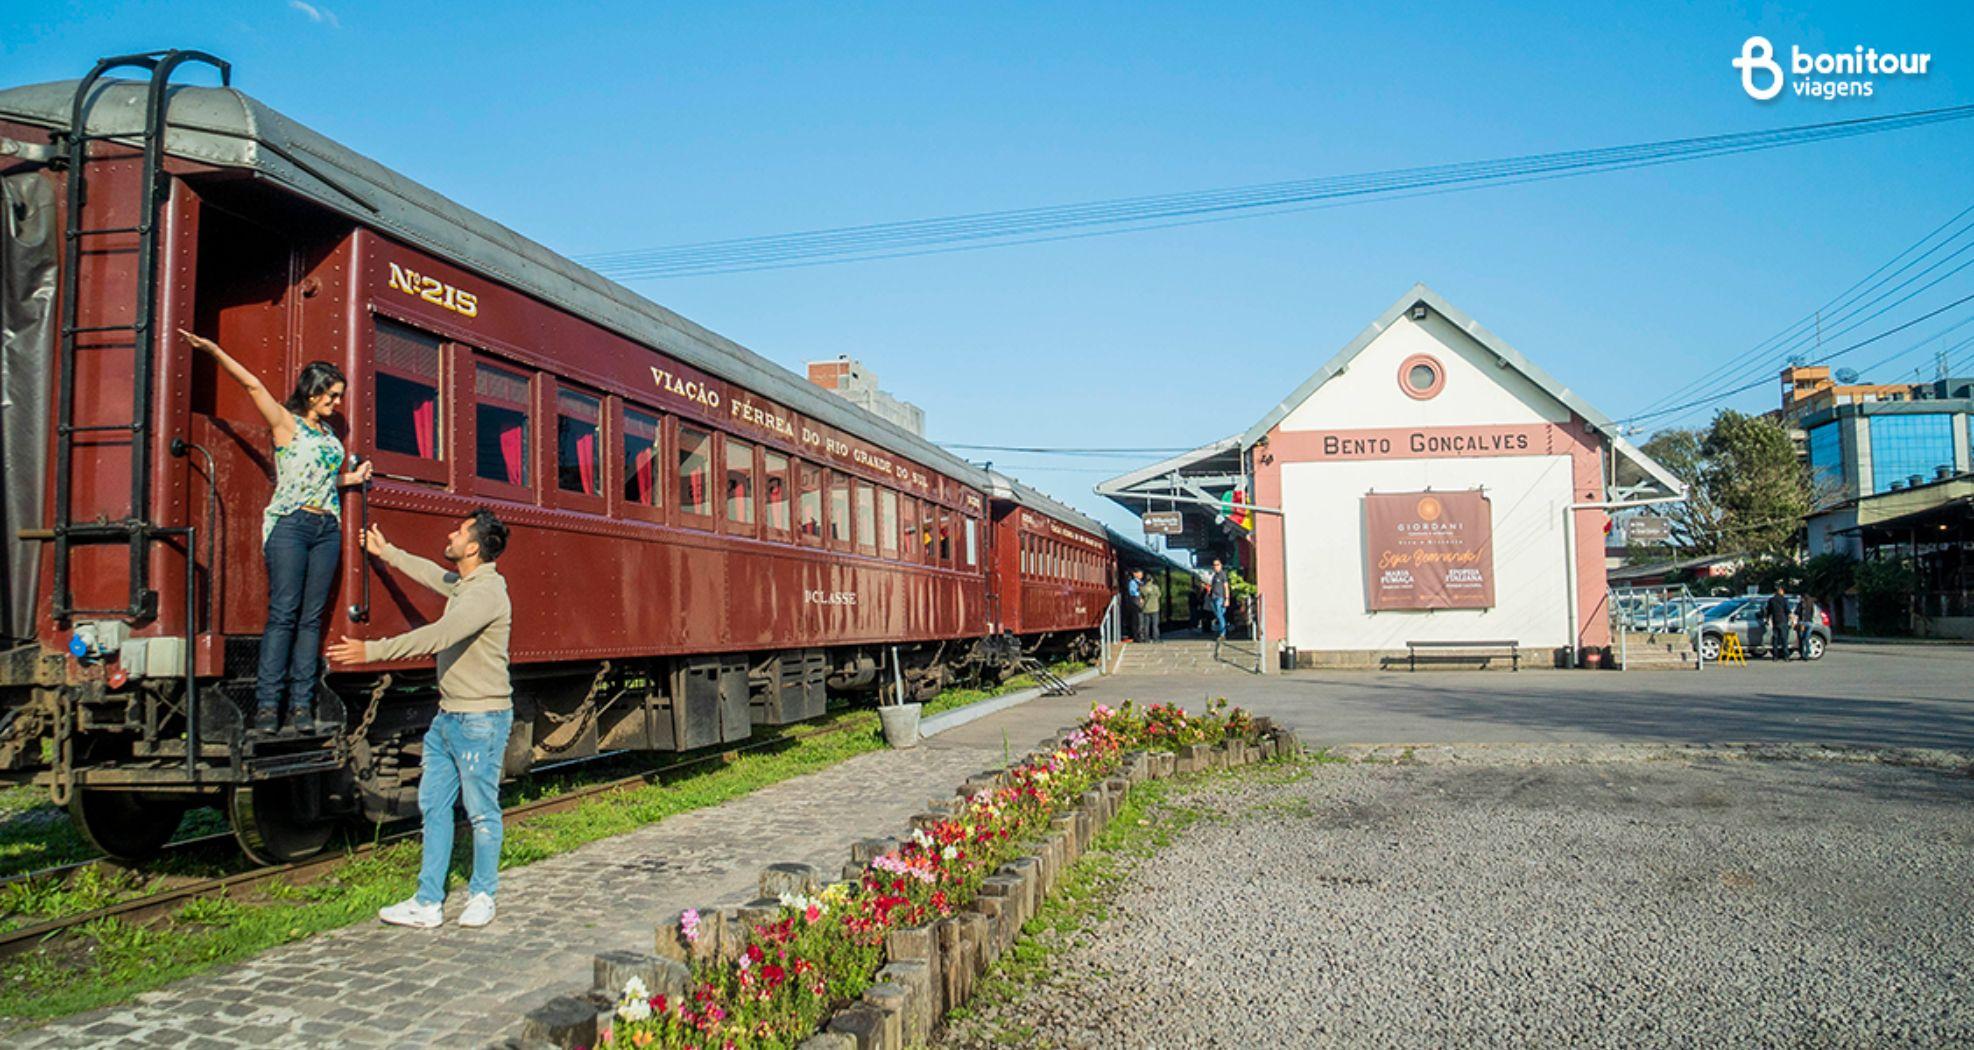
(1000, 486)
(227, 128)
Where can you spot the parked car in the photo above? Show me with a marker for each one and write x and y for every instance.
(1675, 616)
(1742, 617)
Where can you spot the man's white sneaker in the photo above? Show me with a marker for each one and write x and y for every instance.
(412, 913)
(479, 910)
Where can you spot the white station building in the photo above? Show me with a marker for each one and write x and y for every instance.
(1427, 484)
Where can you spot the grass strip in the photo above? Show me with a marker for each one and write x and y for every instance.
(110, 961)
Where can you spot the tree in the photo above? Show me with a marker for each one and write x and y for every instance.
(1762, 487)
(1746, 490)
(1699, 524)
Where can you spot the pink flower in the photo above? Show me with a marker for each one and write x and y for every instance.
(689, 925)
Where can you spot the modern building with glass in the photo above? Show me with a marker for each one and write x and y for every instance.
(1894, 479)
(1863, 449)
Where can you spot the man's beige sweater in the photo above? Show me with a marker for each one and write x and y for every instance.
(470, 639)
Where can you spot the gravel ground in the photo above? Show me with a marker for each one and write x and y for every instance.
(1536, 896)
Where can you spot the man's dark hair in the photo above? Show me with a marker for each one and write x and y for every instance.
(316, 379)
(490, 533)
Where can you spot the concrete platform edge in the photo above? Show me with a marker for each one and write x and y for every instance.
(960, 716)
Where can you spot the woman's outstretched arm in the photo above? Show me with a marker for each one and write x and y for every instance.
(279, 419)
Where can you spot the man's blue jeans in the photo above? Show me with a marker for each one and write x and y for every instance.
(1219, 607)
(301, 552)
(463, 755)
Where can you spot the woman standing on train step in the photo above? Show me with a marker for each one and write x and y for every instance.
(300, 533)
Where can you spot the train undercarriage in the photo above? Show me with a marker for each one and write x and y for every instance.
(113, 749)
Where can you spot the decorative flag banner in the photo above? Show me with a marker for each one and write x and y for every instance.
(1428, 550)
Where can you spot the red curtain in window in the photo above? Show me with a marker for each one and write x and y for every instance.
(643, 474)
(510, 454)
(422, 418)
(586, 462)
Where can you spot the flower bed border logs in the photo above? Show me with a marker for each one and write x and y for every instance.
(925, 969)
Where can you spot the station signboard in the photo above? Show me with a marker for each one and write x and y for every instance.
(1164, 523)
(1645, 531)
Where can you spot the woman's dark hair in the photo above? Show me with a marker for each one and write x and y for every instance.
(316, 379)
(490, 533)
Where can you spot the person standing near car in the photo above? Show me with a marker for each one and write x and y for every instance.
(1775, 615)
(466, 744)
(1805, 624)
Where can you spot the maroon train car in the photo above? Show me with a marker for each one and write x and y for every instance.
(702, 542)
(1052, 570)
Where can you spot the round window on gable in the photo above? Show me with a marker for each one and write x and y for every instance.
(1421, 377)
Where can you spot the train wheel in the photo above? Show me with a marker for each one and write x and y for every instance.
(273, 822)
(126, 825)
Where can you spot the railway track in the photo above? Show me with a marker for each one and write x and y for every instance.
(149, 907)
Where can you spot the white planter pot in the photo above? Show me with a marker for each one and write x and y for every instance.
(900, 724)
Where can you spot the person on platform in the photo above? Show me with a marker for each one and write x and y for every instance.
(1149, 596)
(1217, 591)
(1134, 608)
(300, 533)
(1775, 614)
(466, 744)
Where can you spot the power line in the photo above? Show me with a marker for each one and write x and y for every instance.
(1887, 308)
(1725, 394)
(1068, 451)
(1124, 215)
(1810, 324)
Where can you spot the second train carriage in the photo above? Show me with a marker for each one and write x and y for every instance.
(703, 541)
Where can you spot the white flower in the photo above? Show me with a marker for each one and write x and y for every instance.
(634, 1011)
(949, 852)
(635, 989)
(919, 836)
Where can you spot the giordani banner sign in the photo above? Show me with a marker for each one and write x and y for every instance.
(1428, 550)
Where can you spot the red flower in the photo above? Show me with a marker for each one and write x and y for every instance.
(812, 913)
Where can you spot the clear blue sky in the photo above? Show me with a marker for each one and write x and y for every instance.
(601, 126)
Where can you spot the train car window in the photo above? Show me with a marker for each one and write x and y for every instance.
(839, 509)
(695, 472)
(972, 543)
(908, 546)
(740, 482)
(887, 522)
(945, 537)
(406, 391)
(774, 489)
(866, 518)
(808, 507)
(578, 438)
(642, 453)
(500, 426)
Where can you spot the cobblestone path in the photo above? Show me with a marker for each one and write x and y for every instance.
(374, 985)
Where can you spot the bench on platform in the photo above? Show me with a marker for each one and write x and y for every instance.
(1513, 648)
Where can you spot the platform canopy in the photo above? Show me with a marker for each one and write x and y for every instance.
(1191, 483)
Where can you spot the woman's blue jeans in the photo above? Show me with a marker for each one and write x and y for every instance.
(463, 756)
(301, 554)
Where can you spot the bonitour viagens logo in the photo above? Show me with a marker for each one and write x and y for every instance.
(1827, 75)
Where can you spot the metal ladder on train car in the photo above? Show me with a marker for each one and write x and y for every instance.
(1052, 683)
(137, 529)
